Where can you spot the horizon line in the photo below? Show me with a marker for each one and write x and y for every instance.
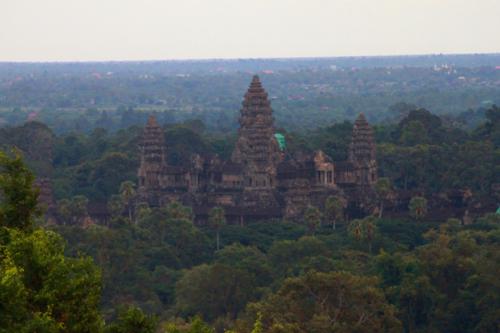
(208, 59)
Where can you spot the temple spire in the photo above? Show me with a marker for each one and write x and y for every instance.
(256, 147)
(362, 151)
(153, 155)
(152, 121)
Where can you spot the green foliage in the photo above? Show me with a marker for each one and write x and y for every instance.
(418, 207)
(19, 204)
(257, 326)
(312, 216)
(364, 230)
(115, 206)
(127, 194)
(197, 325)
(132, 320)
(73, 211)
(414, 133)
(217, 219)
(420, 126)
(442, 280)
(322, 302)
(176, 210)
(383, 188)
(247, 258)
(334, 209)
(42, 288)
(214, 290)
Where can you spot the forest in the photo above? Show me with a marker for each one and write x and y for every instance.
(91, 261)
(410, 270)
(79, 97)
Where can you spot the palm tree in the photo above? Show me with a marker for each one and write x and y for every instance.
(216, 220)
(369, 230)
(142, 210)
(418, 207)
(383, 188)
(115, 206)
(364, 230)
(313, 218)
(334, 209)
(355, 230)
(127, 193)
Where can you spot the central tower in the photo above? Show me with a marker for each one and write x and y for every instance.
(153, 161)
(257, 150)
(362, 152)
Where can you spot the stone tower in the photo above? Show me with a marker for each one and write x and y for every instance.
(153, 162)
(256, 149)
(362, 153)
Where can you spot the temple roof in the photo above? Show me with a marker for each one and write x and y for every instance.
(344, 166)
(255, 90)
(255, 82)
(152, 121)
(232, 168)
(361, 121)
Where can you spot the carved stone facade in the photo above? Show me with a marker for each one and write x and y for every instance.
(362, 152)
(256, 151)
(260, 181)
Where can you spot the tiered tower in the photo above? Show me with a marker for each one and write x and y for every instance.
(256, 148)
(153, 160)
(362, 153)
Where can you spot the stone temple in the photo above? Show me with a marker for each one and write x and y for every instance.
(261, 180)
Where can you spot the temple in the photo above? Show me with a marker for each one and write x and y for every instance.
(261, 180)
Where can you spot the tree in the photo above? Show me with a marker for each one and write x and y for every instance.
(132, 320)
(407, 287)
(214, 291)
(41, 290)
(50, 290)
(334, 209)
(364, 229)
(328, 302)
(247, 258)
(418, 207)
(64, 210)
(419, 127)
(78, 206)
(176, 210)
(257, 326)
(127, 193)
(19, 204)
(142, 210)
(196, 325)
(312, 216)
(115, 206)
(383, 188)
(216, 220)
(414, 133)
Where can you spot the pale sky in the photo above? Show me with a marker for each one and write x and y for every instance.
(80, 30)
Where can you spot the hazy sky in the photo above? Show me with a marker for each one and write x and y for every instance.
(57, 30)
